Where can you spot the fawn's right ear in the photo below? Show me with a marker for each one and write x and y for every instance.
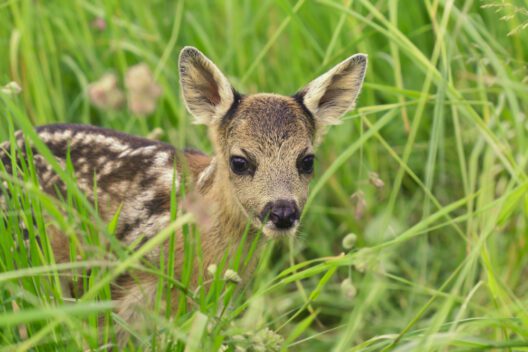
(206, 91)
(334, 93)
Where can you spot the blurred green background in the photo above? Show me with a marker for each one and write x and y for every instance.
(429, 172)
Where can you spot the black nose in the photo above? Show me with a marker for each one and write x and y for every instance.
(282, 213)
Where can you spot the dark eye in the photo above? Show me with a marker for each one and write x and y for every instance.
(239, 165)
(306, 164)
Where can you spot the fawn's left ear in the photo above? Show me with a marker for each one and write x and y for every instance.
(206, 91)
(334, 93)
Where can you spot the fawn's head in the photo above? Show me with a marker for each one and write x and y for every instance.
(265, 143)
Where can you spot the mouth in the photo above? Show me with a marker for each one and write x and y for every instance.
(271, 231)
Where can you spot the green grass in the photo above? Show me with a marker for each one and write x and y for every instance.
(441, 258)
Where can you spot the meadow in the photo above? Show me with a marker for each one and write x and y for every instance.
(415, 235)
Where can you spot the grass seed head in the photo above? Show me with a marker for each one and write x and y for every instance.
(349, 241)
(232, 276)
(211, 269)
(11, 89)
(348, 289)
(375, 180)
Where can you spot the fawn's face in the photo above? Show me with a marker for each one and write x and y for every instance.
(265, 143)
(267, 146)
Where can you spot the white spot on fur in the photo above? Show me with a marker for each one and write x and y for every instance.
(58, 135)
(46, 175)
(45, 136)
(166, 177)
(124, 153)
(146, 151)
(121, 187)
(161, 159)
(108, 168)
(113, 144)
(84, 169)
(88, 139)
(100, 139)
(67, 134)
(80, 138)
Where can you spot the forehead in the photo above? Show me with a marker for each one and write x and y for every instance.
(269, 119)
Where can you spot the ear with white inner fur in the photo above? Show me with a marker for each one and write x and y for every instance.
(334, 93)
(207, 93)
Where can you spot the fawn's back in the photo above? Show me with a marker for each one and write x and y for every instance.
(133, 175)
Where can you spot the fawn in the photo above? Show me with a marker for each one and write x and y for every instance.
(259, 173)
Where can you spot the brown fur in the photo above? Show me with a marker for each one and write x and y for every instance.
(273, 133)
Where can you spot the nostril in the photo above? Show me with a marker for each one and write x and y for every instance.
(293, 215)
(266, 212)
(275, 217)
(283, 214)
